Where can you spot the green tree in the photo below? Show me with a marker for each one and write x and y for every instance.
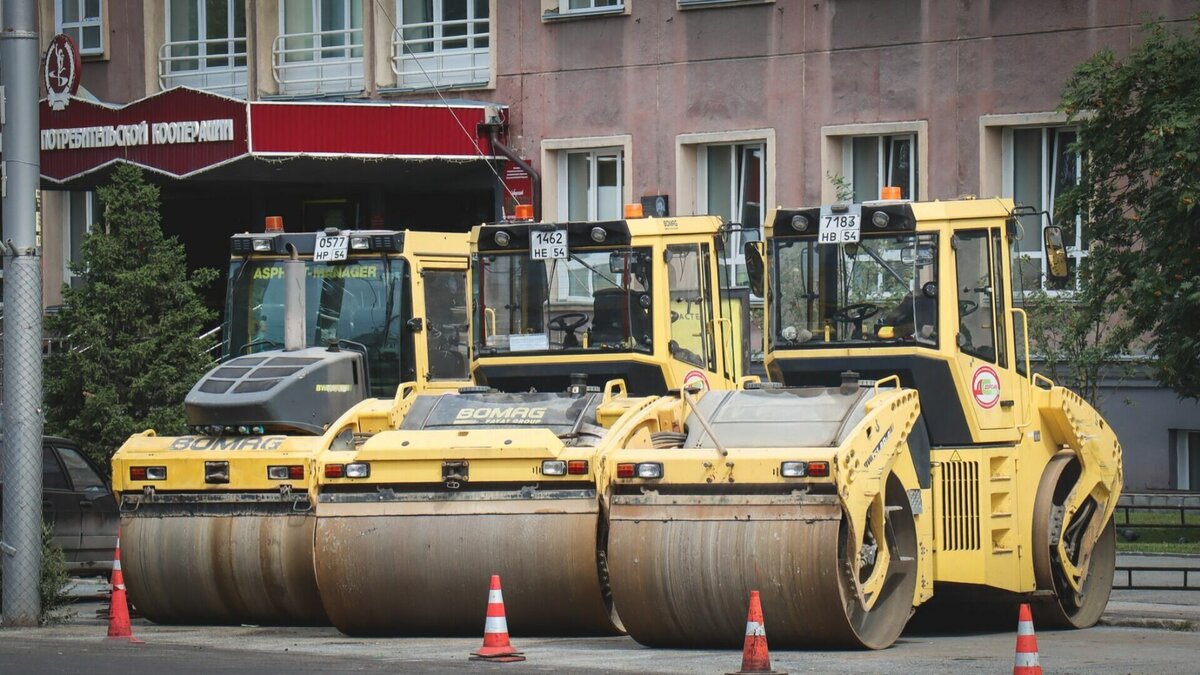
(131, 328)
(1139, 130)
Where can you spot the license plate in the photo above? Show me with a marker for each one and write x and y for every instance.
(548, 244)
(839, 228)
(331, 247)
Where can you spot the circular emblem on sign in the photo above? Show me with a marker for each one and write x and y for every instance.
(60, 71)
(985, 387)
(695, 378)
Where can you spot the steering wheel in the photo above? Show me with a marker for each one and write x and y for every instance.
(966, 307)
(568, 322)
(855, 314)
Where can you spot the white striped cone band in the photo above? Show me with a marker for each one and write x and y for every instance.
(495, 597)
(1026, 659)
(116, 565)
(755, 629)
(1025, 628)
(495, 624)
(119, 587)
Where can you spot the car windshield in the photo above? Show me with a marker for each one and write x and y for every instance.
(358, 301)
(594, 300)
(880, 290)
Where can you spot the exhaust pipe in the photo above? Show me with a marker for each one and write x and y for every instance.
(293, 301)
(493, 128)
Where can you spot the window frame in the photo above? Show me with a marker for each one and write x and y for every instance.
(594, 156)
(885, 151)
(319, 50)
(91, 207)
(99, 21)
(557, 10)
(837, 140)
(1047, 185)
(439, 52)
(202, 57)
(735, 257)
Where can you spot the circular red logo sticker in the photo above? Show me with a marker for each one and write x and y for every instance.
(985, 387)
(60, 71)
(696, 376)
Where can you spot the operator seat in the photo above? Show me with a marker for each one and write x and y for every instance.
(613, 310)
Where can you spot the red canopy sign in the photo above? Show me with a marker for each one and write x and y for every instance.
(178, 132)
(181, 132)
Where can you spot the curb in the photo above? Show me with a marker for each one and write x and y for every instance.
(1182, 625)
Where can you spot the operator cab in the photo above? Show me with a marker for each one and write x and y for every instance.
(916, 290)
(551, 299)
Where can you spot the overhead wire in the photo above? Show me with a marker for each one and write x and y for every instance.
(396, 30)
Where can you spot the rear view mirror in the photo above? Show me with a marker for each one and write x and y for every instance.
(618, 261)
(920, 256)
(756, 266)
(1056, 253)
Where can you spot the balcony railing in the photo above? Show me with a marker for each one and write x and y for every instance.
(444, 59)
(202, 64)
(324, 62)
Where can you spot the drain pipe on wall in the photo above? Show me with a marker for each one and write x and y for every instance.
(494, 127)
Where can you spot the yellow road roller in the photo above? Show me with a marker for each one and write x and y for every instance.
(577, 328)
(217, 525)
(903, 448)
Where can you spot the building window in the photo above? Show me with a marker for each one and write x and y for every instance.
(688, 4)
(83, 20)
(730, 184)
(320, 47)
(206, 46)
(441, 43)
(1185, 459)
(561, 8)
(872, 162)
(591, 184)
(81, 210)
(1038, 165)
(868, 157)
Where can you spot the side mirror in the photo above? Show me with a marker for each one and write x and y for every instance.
(756, 266)
(1056, 253)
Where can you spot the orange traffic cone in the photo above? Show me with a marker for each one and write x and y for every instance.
(1027, 650)
(118, 611)
(755, 658)
(495, 630)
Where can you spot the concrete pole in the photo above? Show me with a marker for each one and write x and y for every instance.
(21, 466)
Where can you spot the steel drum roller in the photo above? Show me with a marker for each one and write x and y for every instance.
(422, 567)
(221, 569)
(682, 568)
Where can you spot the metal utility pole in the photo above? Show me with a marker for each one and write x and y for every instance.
(21, 464)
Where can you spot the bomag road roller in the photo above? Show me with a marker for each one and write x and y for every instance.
(903, 448)
(217, 526)
(576, 329)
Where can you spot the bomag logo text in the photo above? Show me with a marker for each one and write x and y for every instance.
(515, 415)
(227, 443)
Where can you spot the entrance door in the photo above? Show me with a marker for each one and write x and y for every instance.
(983, 363)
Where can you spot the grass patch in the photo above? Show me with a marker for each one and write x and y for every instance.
(1180, 540)
(1192, 548)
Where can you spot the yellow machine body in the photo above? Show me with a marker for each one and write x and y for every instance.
(508, 478)
(950, 468)
(228, 516)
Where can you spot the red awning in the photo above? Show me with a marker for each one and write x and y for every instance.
(182, 132)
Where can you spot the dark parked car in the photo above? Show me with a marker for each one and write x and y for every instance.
(79, 506)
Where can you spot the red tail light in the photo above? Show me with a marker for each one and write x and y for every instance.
(137, 473)
(296, 472)
(577, 467)
(626, 470)
(818, 469)
(334, 470)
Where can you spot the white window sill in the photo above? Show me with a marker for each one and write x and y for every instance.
(684, 5)
(555, 17)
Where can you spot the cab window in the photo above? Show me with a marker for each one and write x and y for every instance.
(976, 323)
(691, 303)
(446, 316)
